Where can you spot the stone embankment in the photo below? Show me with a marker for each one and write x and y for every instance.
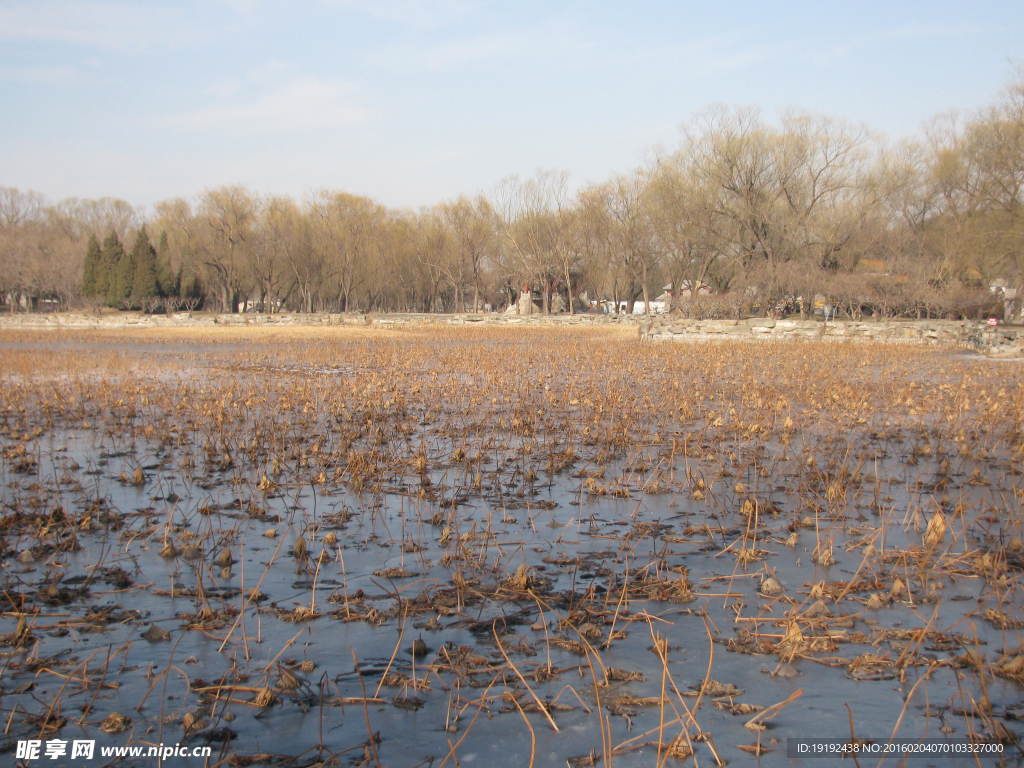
(963, 334)
(999, 340)
(116, 320)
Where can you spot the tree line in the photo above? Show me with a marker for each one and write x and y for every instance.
(744, 215)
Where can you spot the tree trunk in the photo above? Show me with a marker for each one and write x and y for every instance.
(568, 292)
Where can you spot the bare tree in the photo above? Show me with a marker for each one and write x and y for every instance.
(474, 228)
(226, 220)
(620, 207)
(681, 219)
(531, 212)
(345, 229)
(280, 240)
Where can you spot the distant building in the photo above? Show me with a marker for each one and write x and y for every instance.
(687, 288)
(1012, 308)
(657, 307)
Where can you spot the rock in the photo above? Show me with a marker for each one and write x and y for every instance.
(786, 670)
(156, 634)
(771, 587)
(115, 722)
(419, 648)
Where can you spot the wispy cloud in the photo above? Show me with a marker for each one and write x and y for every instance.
(559, 47)
(930, 30)
(297, 106)
(245, 8)
(106, 25)
(845, 45)
(448, 55)
(48, 75)
(416, 13)
(548, 41)
(707, 56)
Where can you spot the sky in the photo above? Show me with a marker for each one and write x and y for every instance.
(412, 102)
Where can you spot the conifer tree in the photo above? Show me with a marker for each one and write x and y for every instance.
(93, 263)
(121, 279)
(166, 283)
(190, 287)
(143, 261)
(107, 280)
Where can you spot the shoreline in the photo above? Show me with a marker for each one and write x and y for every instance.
(997, 341)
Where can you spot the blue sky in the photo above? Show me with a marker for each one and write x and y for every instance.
(416, 102)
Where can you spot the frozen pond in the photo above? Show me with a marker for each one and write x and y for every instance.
(482, 547)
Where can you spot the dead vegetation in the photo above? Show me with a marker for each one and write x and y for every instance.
(622, 552)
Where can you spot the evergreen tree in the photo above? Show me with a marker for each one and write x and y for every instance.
(189, 285)
(93, 264)
(124, 274)
(108, 284)
(166, 283)
(143, 258)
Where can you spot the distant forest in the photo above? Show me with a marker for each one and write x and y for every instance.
(744, 216)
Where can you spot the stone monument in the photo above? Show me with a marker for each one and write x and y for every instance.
(525, 301)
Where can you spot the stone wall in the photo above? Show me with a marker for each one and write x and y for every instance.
(946, 333)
